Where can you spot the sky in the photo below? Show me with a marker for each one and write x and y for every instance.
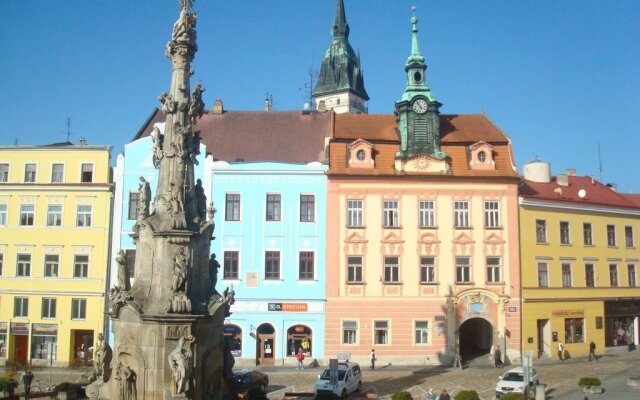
(561, 78)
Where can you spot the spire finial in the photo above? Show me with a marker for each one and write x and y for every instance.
(340, 26)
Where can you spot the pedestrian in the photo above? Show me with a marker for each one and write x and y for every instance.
(373, 359)
(444, 395)
(429, 395)
(27, 378)
(497, 357)
(592, 350)
(561, 351)
(530, 391)
(457, 361)
(300, 358)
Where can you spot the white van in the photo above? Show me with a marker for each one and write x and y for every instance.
(349, 380)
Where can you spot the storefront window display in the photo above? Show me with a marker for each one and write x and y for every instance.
(574, 330)
(44, 339)
(621, 319)
(299, 337)
(3, 339)
(622, 331)
(234, 332)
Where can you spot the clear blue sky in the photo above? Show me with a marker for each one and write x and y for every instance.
(556, 76)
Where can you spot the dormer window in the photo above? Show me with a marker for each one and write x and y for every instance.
(481, 156)
(361, 154)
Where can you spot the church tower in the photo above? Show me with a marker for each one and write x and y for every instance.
(340, 84)
(418, 114)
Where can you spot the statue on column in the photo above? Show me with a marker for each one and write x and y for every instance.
(101, 360)
(156, 148)
(144, 199)
(201, 200)
(180, 364)
(126, 382)
(180, 271)
(196, 108)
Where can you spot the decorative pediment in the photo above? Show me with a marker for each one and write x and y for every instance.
(493, 239)
(392, 238)
(481, 156)
(391, 244)
(422, 163)
(463, 244)
(493, 245)
(463, 238)
(355, 237)
(361, 154)
(428, 244)
(355, 244)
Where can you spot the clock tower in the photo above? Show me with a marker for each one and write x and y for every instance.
(418, 114)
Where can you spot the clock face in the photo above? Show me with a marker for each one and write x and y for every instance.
(420, 106)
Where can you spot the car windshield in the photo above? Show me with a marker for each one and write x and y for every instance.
(513, 377)
(326, 374)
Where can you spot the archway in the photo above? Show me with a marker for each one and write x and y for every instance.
(476, 338)
(265, 345)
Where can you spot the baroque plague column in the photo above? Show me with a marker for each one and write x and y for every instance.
(168, 326)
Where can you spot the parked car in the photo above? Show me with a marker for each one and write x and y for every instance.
(349, 380)
(246, 379)
(513, 381)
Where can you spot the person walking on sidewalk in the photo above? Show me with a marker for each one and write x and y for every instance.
(592, 350)
(561, 351)
(373, 359)
(27, 378)
(429, 395)
(444, 395)
(497, 357)
(300, 358)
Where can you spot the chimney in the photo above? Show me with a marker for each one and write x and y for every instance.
(83, 141)
(217, 107)
(612, 186)
(322, 107)
(267, 104)
(562, 180)
(571, 171)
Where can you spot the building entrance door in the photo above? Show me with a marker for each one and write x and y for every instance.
(544, 338)
(476, 338)
(21, 351)
(266, 345)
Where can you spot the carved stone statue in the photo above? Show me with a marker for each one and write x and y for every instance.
(123, 272)
(101, 360)
(201, 200)
(211, 211)
(158, 138)
(180, 271)
(126, 382)
(194, 147)
(180, 364)
(168, 104)
(197, 105)
(144, 199)
(214, 266)
(176, 200)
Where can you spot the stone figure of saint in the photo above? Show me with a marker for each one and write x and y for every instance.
(214, 266)
(156, 148)
(201, 200)
(126, 378)
(180, 271)
(180, 364)
(194, 148)
(123, 272)
(211, 211)
(197, 105)
(101, 359)
(144, 198)
(176, 200)
(168, 105)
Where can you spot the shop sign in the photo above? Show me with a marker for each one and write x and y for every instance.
(3, 328)
(299, 329)
(44, 329)
(230, 329)
(567, 313)
(294, 307)
(440, 318)
(627, 307)
(19, 328)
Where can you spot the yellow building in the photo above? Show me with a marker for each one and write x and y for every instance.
(580, 261)
(55, 210)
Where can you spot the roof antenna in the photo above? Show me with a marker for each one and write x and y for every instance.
(599, 161)
(68, 129)
(307, 89)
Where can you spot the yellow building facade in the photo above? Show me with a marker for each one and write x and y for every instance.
(55, 211)
(579, 265)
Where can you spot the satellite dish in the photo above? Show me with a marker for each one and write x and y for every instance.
(582, 193)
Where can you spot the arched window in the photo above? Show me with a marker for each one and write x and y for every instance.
(233, 336)
(299, 337)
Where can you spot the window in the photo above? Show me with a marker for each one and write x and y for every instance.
(491, 214)
(494, 270)
(48, 308)
(130, 261)
(306, 265)
(628, 236)
(80, 266)
(3, 215)
(427, 214)
(361, 155)
(349, 332)
(589, 275)
(422, 332)
(57, 173)
(587, 233)
(84, 215)
(427, 269)
(307, 208)
(461, 214)
(272, 265)
(354, 213)
(78, 308)
(613, 275)
(463, 270)
(27, 214)
(354, 269)
(541, 231)
(134, 198)
(29, 172)
(564, 233)
(631, 273)
(86, 174)
(232, 207)
(4, 172)
(23, 269)
(482, 156)
(391, 270)
(1, 264)
(611, 235)
(273, 207)
(51, 265)
(390, 214)
(381, 332)
(54, 215)
(543, 274)
(231, 262)
(574, 330)
(21, 307)
(566, 275)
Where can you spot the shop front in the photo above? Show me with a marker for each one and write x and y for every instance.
(3, 342)
(20, 342)
(44, 344)
(621, 323)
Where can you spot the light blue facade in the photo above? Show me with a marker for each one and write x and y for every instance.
(251, 236)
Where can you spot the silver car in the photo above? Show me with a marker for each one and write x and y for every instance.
(513, 381)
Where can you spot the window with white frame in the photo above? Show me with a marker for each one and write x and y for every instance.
(54, 215)
(463, 269)
(390, 214)
(21, 307)
(86, 174)
(427, 269)
(30, 172)
(134, 198)
(354, 213)
(349, 332)
(381, 332)
(421, 329)
(628, 236)
(83, 216)
(232, 207)
(307, 208)
(51, 265)
(3, 215)
(492, 214)
(81, 266)
(565, 237)
(566, 275)
(306, 265)
(461, 214)
(48, 308)
(274, 202)
(541, 231)
(631, 274)
(391, 270)
(272, 265)
(427, 214)
(78, 308)
(23, 267)
(1, 264)
(4, 172)
(611, 235)
(231, 264)
(543, 274)
(354, 269)
(27, 214)
(613, 275)
(587, 233)
(589, 275)
(494, 270)
(57, 173)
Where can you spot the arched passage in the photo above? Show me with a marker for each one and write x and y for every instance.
(476, 338)
(265, 345)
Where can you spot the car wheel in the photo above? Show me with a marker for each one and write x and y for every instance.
(344, 393)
